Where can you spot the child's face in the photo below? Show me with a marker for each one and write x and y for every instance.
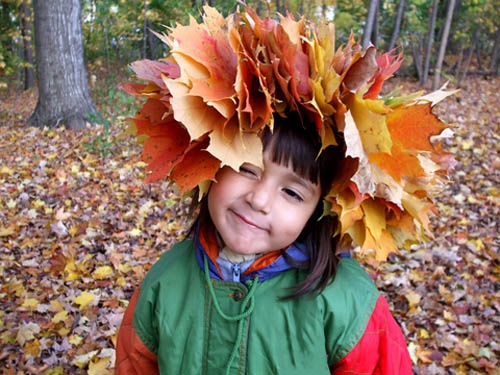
(256, 211)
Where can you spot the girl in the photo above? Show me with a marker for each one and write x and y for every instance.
(291, 156)
(258, 288)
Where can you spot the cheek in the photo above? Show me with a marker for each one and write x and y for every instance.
(294, 221)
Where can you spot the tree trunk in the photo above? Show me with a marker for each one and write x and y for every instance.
(26, 25)
(145, 30)
(467, 61)
(279, 7)
(429, 43)
(416, 48)
(370, 22)
(397, 25)
(458, 65)
(495, 55)
(63, 93)
(444, 42)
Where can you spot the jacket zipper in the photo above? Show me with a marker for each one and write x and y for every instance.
(236, 268)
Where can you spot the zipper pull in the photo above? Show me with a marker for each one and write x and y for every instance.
(236, 268)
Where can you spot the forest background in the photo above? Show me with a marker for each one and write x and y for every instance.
(79, 228)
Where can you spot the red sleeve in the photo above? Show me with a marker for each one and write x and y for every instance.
(381, 350)
(132, 356)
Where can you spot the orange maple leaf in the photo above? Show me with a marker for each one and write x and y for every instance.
(398, 163)
(413, 126)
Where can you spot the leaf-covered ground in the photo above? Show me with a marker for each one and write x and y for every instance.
(79, 229)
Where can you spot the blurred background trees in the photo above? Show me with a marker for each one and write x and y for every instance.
(453, 38)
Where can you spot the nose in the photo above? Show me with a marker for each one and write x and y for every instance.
(260, 198)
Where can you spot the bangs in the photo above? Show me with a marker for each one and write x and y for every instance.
(291, 144)
(297, 144)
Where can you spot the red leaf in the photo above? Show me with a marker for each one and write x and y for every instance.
(388, 64)
(196, 166)
(149, 70)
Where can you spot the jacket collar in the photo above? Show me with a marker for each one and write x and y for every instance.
(266, 266)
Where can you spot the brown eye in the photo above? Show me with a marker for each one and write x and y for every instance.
(293, 194)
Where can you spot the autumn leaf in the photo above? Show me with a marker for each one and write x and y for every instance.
(388, 64)
(371, 124)
(413, 126)
(361, 71)
(84, 299)
(398, 164)
(101, 273)
(197, 164)
(152, 71)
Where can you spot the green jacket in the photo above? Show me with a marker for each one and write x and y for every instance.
(177, 318)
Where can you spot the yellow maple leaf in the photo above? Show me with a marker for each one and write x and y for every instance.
(235, 148)
(61, 316)
(6, 170)
(418, 208)
(56, 306)
(374, 218)
(38, 203)
(7, 231)
(75, 340)
(70, 271)
(84, 299)
(30, 303)
(103, 272)
(136, 232)
(124, 267)
(413, 298)
(371, 124)
(99, 367)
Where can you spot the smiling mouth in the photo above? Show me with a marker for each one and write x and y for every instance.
(247, 222)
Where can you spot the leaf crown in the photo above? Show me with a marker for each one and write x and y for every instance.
(225, 79)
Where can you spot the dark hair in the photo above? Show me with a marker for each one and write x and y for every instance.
(296, 143)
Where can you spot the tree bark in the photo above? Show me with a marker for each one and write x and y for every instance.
(63, 93)
(429, 42)
(28, 64)
(444, 42)
(370, 23)
(494, 54)
(397, 25)
(416, 48)
(145, 30)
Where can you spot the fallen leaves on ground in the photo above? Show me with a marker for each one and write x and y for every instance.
(79, 229)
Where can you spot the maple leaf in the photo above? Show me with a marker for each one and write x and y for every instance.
(371, 123)
(166, 141)
(152, 71)
(84, 299)
(398, 164)
(234, 148)
(197, 164)
(27, 332)
(414, 125)
(388, 64)
(361, 71)
(354, 148)
(207, 61)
